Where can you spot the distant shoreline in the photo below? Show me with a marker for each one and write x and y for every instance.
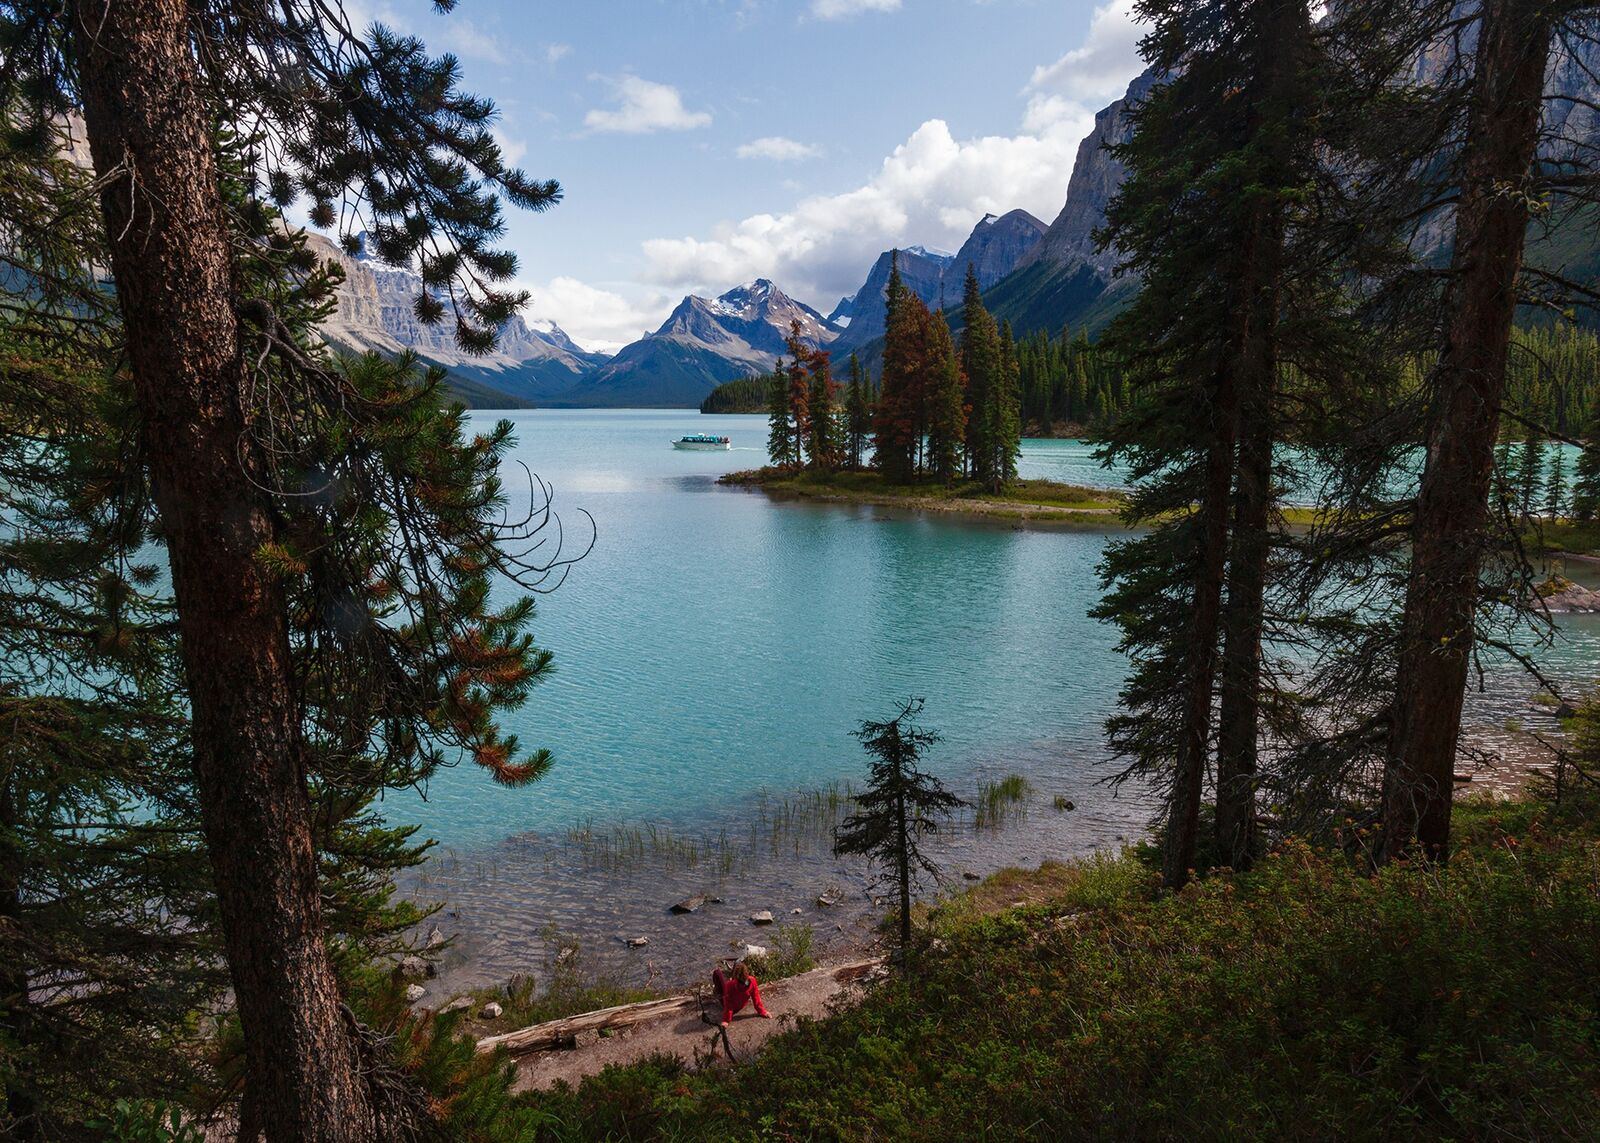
(1043, 504)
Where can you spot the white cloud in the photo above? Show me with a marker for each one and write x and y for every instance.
(643, 107)
(932, 190)
(555, 53)
(778, 149)
(511, 150)
(843, 9)
(597, 319)
(465, 39)
(1101, 68)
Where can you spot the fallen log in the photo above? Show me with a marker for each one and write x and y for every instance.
(556, 1033)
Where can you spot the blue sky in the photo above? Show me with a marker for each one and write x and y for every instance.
(703, 143)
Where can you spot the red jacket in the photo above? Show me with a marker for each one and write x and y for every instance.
(735, 996)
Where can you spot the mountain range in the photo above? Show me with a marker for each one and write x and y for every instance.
(703, 343)
(1036, 276)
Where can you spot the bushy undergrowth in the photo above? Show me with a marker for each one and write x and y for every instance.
(1303, 1000)
(789, 954)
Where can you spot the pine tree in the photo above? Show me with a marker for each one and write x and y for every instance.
(901, 805)
(1555, 490)
(858, 414)
(822, 440)
(1586, 473)
(1514, 39)
(898, 421)
(1006, 413)
(214, 307)
(798, 399)
(782, 448)
(1530, 474)
(1219, 156)
(947, 407)
(980, 362)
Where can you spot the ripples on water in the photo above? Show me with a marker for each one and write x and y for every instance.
(717, 648)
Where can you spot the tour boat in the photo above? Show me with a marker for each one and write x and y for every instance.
(702, 441)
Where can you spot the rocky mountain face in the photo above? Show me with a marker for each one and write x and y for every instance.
(996, 246)
(375, 312)
(1096, 177)
(704, 342)
(1065, 281)
(921, 271)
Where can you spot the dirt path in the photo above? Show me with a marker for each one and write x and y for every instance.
(686, 1036)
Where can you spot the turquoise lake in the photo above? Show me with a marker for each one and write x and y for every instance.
(714, 651)
(714, 643)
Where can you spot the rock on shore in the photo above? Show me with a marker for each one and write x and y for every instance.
(1563, 597)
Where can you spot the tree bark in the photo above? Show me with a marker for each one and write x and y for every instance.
(149, 132)
(1279, 56)
(1238, 725)
(903, 870)
(1448, 531)
(1188, 779)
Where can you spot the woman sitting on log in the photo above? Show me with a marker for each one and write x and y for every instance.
(735, 989)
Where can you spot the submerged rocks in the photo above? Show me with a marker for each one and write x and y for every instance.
(636, 942)
(414, 965)
(826, 901)
(761, 917)
(689, 904)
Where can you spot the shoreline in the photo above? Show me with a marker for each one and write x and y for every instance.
(497, 933)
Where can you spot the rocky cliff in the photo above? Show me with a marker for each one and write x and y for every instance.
(375, 312)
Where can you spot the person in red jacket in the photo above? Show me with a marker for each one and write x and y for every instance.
(735, 990)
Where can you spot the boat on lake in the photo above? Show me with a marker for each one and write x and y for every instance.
(702, 441)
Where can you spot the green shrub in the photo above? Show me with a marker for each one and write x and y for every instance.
(790, 954)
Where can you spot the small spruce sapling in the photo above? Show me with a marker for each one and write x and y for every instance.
(901, 804)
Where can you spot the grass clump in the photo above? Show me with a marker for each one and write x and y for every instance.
(1304, 999)
(999, 801)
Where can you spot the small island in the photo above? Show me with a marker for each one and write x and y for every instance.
(1025, 502)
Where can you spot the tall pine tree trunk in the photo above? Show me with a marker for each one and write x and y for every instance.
(1448, 533)
(1281, 43)
(20, 1109)
(1238, 727)
(150, 136)
(903, 870)
(1188, 779)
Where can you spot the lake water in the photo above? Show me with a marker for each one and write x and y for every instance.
(712, 655)
(714, 643)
